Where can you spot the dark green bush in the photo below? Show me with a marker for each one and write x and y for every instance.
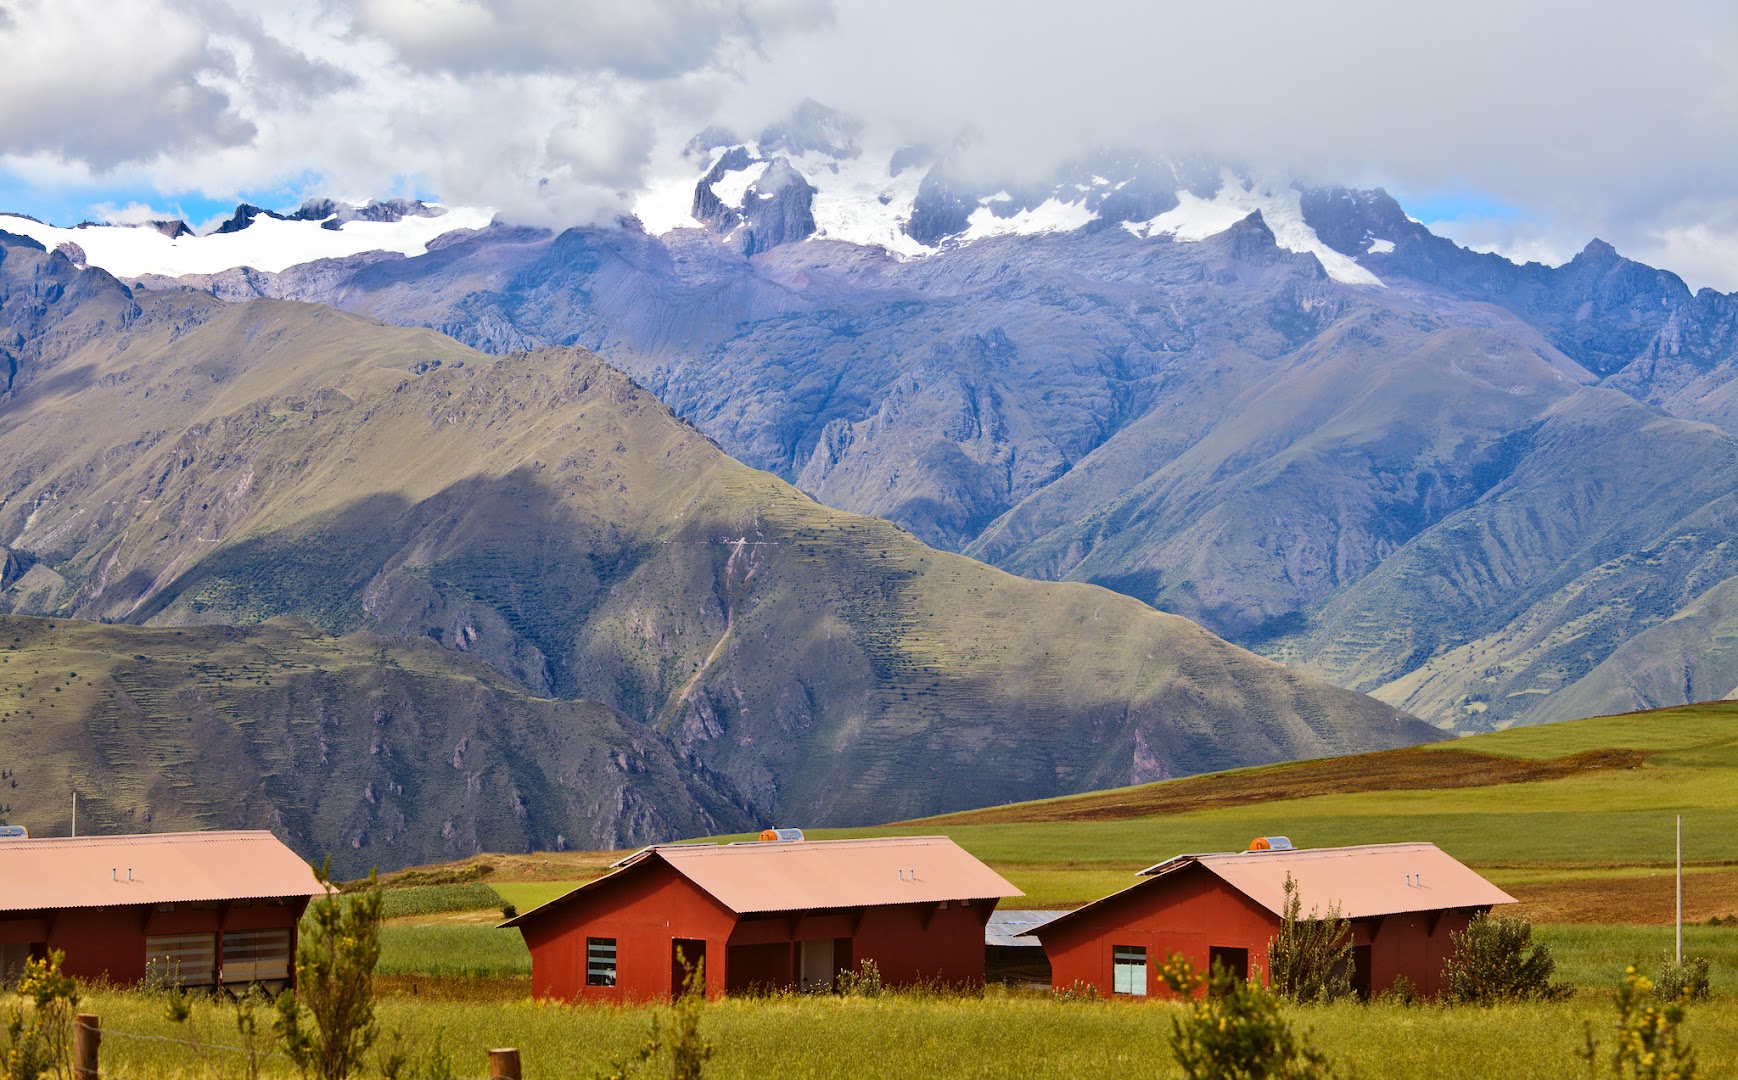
(1235, 1031)
(1497, 960)
(1311, 959)
(1687, 981)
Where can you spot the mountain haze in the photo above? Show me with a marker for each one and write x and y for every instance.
(172, 460)
(1292, 415)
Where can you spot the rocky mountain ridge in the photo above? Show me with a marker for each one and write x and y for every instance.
(172, 460)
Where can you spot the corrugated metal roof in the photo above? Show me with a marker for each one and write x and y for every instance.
(817, 874)
(156, 868)
(1366, 880)
(1372, 879)
(1014, 928)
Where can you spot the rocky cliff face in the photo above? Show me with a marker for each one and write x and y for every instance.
(1230, 427)
(226, 464)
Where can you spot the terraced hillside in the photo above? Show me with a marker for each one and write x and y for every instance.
(372, 751)
(170, 460)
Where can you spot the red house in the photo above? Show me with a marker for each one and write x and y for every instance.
(198, 909)
(770, 914)
(1403, 902)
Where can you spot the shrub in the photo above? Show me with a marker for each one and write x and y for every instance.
(1687, 981)
(1648, 1044)
(327, 1023)
(674, 1050)
(864, 982)
(1080, 991)
(1311, 959)
(1402, 992)
(1235, 1032)
(40, 1042)
(1496, 960)
(397, 1061)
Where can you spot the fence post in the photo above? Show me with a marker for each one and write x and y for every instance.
(503, 1064)
(87, 1034)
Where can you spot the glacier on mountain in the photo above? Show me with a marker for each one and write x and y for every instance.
(266, 243)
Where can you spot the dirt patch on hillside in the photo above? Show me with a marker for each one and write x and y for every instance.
(1641, 897)
(1411, 769)
(490, 867)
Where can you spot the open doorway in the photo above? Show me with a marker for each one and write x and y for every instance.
(686, 954)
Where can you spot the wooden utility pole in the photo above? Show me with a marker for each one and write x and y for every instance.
(504, 1064)
(1679, 954)
(87, 1034)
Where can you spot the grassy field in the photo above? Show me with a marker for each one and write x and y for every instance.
(1575, 819)
(998, 1035)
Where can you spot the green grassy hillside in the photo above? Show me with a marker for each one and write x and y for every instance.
(371, 751)
(1575, 818)
(194, 463)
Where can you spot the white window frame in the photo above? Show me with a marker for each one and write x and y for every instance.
(601, 959)
(1128, 968)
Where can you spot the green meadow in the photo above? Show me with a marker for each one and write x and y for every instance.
(1576, 820)
(997, 1035)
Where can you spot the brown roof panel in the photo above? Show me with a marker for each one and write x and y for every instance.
(1372, 879)
(158, 868)
(814, 874)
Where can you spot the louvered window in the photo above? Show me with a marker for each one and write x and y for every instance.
(255, 955)
(181, 959)
(600, 961)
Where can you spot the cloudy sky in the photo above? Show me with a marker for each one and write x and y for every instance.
(1526, 128)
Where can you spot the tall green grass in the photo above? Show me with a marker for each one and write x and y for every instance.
(469, 950)
(436, 899)
(899, 1036)
(1594, 956)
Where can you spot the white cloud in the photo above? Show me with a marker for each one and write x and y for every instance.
(105, 83)
(1588, 118)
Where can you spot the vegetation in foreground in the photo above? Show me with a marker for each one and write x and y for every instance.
(999, 1034)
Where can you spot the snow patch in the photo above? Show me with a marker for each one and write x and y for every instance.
(1050, 216)
(857, 202)
(1379, 246)
(732, 187)
(268, 244)
(1281, 206)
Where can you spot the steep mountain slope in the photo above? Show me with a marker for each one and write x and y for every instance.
(376, 752)
(194, 462)
(1232, 400)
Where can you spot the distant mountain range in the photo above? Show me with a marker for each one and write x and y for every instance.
(1486, 493)
(433, 600)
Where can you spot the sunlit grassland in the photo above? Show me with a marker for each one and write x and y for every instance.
(473, 950)
(997, 1035)
(526, 895)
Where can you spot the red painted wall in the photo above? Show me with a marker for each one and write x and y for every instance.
(1192, 911)
(109, 942)
(644, 910)
(647, 907)
(1187, 912)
